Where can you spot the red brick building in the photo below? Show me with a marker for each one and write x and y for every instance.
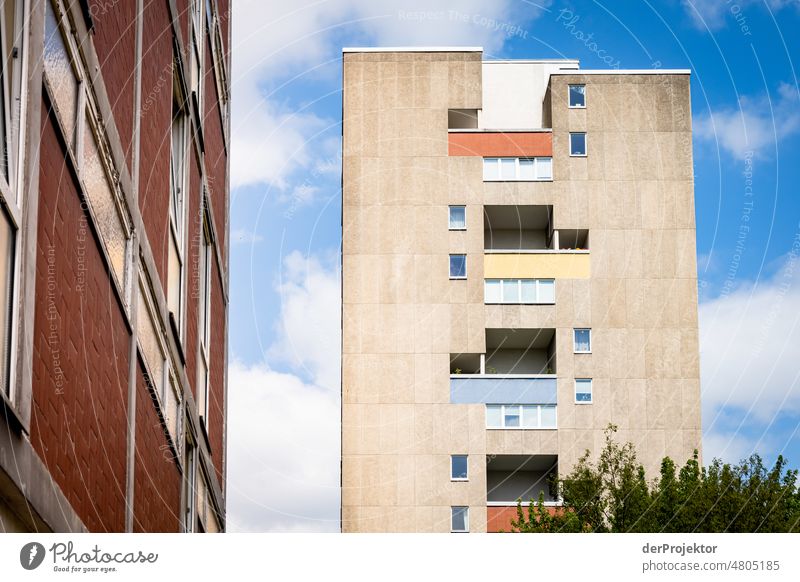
(113, 264)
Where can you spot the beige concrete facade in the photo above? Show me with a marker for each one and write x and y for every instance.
(403, 316)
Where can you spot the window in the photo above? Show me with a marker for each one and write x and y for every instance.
(526, 416)
(577, 96)
(577, 144)
(458, 468)
(197, 35)
(459, 519)
(13, 35)
(458, 218)
(583, 341)
(583, 391)
(517, 169)
(189, 484)
(516, 291)
(177, 209)
(458, 266)
(204, 290)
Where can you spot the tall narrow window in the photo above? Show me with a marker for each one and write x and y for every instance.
(458, 266)
(459, 519)
(458, 218)
(189, 486)
(583, 391)
(458, 468)
(577, 144)
(205, 318)
(12, 103)
(198, 31)
(577, 96)
(583, 340)
(177, 210)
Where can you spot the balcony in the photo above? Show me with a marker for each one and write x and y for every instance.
(519, 368)
(517, 478)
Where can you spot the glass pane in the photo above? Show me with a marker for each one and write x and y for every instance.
(511, 416)
(458, 467)
(577, 144)
(526, 169)
(548, 416)
(508, 168)
(494, 417)
(103, 202)
(577, 96)
(546, 291)
(148, 342)
(460, 520)
(458, 217)
(491, 169)
(544, 168)
(583, 390)
(59, 72)
(174, 280)
(492, 291)
(7, 236)
(528, 291)
(458, 266)
(530, 416)
(582, 340)
(510, 290)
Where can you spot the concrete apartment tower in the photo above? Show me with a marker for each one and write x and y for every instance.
(114, 137)
(518, 272)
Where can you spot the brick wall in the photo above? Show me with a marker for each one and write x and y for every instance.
(80, 357)
(216, 156)
(155, 140)
(217, 396)
(157, 483)
(114, 41)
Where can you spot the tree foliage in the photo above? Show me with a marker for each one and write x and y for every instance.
(613, 495)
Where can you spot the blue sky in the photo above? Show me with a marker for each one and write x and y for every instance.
(285, 214)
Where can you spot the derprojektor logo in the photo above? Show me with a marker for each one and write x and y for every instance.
(31, 555)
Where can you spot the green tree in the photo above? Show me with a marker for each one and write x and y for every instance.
(613, 495)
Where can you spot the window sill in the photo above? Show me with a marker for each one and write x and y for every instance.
(516, 180)
(583, 403)
(519, 428)
(509, 303)
(458, 278)
(577, 106)
(459, 480)
(579, 155)
(576, 352)
(457, 229)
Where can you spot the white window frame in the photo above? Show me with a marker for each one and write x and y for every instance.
(518, 282)
(575, 340)
(178, 205)
(591, 390)
(585, 143)
(517, 172)
(449, 271)
(204, 317)
(465, 509)
(197, 34)
(521, 413)
(452, 477)
(13, 89)
(450, 218)
(569, 95)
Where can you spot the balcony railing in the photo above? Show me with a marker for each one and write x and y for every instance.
(537, 264)
(503, 388)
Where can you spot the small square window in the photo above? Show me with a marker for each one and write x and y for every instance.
(583, 341)
(458, 266)
(491, 169)
(494, 416)
(527, 169)
(583, 391)
(508, 169)
(459, 519)
(458, 468)
(577, 96)
(458, 218)
(577, 144)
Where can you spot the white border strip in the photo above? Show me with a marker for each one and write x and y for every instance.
(413, 49)
(624, 72)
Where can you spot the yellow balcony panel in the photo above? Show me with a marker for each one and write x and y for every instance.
(536, 265)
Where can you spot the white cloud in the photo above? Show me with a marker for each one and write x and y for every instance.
(301, 40)
(284, 432)
(712, 14)
(748, 350)
(755, 126)
(283, 453)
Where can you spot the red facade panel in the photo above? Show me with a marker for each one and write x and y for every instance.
(498, 519)
(114, 41)
(157, 483)
(496, 144)
(80, 358)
